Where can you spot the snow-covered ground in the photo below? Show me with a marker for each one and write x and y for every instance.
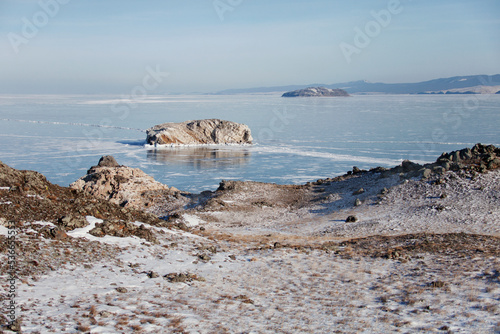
(277, 267)
(261, 290)
(387, 206)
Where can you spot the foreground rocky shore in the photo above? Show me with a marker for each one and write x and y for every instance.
(411, 248)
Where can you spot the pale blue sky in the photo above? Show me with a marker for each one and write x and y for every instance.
(104, 46)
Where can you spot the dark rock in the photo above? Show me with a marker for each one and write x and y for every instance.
(176, 278)
(351, 219)
(445, 157)
(378, 170)
(409, 166)
(182, 226)
(465, 154)
(232, 257)
(357, 202)
(227, 185)
(244, 299)
(426, 173)
(153, 274)
(122, 230)
(439, 181)
(105, 314)
(204, 257)
(71, 222)
(182, 277)
(56, 233)
(479, 149)
(446, 165)
(489, 157)
(439, 170)
(15, 325)
(121, 290)
(107, 161)
(356, 170)
(97, 232)
(455, 156)
(120, 179)
(495, 163)
(359, 191)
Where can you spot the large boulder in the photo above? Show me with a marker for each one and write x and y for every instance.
(207, 131)
(122, 185)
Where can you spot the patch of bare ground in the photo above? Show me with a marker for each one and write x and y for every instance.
(250, 195)
(457, 245)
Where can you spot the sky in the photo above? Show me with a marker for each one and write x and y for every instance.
(116, 46)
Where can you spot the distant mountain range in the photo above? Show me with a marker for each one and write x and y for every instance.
(473, 84)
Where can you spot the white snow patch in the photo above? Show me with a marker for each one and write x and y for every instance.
(4, 188)
(4, 230)
(35, 196)
(43, 223)
(192, 220)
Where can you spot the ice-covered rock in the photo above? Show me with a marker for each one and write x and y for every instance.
(207, 131)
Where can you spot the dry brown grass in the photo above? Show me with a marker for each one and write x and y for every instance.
(83, 328)
(93, 310)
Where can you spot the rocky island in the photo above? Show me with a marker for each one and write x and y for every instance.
(315, 91)
(199, 132)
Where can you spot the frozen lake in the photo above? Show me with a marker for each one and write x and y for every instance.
(296, 139)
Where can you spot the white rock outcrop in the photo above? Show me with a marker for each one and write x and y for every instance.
(122, 185)
(207, 131)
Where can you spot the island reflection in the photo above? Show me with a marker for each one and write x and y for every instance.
(201, 157)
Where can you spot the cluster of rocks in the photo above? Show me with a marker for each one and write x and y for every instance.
(123, 229)
(479, 158)
(207, 131)
(182, 277)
